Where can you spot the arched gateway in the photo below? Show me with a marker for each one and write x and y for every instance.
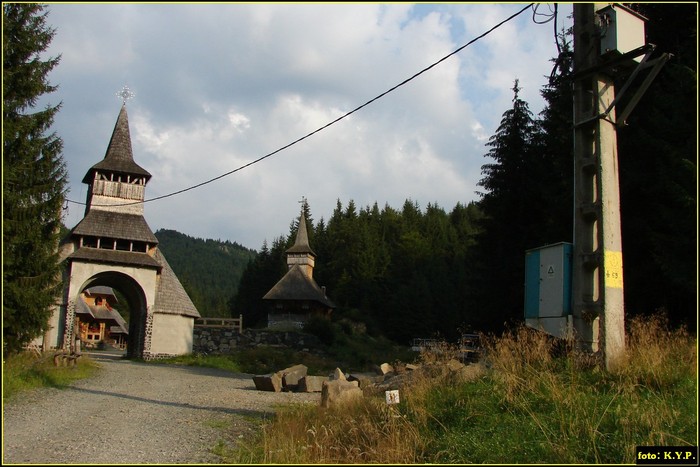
(113, 246)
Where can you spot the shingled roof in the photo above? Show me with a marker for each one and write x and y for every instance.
(103, 313)
(171, 297)
(295, 285)
(99, 255)
(301, 243)
(119, 157)
(101, 290)
(101, 223)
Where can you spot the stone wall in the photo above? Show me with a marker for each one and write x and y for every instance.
(220, 340)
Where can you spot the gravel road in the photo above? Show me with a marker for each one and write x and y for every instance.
(137, 413)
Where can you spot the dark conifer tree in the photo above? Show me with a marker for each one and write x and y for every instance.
(34, 177)
(555, 147)
(658, 156)
(261, 274)
(511, 184)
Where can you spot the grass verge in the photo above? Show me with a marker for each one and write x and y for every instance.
(26, 371)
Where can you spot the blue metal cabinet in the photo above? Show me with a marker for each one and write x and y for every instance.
(548, 272)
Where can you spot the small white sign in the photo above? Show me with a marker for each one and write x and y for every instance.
(392, 397)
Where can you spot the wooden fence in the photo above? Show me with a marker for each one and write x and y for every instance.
(235, 323)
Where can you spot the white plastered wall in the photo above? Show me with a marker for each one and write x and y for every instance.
(171, 334)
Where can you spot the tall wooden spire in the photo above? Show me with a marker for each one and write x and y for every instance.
(301, 253)
(117, 183)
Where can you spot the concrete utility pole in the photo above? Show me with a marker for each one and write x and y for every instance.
(598, 302)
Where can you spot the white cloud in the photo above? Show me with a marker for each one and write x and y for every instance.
(221, 85)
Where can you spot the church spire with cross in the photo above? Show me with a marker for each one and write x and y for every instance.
(301, 253)
(117, 183)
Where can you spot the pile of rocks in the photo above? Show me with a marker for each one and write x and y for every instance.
(339, 386)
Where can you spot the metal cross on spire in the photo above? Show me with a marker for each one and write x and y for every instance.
(125, 94)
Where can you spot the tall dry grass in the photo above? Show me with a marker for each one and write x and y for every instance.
(575, 403)
(362, 431)
(656, 355)
(366, 430)
(531, 397)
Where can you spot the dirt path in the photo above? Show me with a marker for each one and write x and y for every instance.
(137, 413)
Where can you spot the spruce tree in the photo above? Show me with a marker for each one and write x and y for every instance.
(555, 147)
(509, 224)
(658, 157)
(34, 178)
(261, 274)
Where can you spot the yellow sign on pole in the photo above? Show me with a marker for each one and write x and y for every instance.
(613, 269)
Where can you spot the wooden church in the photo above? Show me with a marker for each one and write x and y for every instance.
(296, 297)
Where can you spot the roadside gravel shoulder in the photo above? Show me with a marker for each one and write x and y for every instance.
(137, 413)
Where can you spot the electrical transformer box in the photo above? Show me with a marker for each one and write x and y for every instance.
(621, 29)
(548, 285)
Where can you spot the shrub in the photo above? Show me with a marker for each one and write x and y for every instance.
(320, 327)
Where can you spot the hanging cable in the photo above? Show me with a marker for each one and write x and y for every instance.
(562, 57)
(550, 16)
(556, 34)
(330, 123)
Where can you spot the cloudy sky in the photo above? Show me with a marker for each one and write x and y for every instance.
(218, 86)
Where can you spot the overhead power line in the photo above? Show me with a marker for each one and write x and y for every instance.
(334, 121)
